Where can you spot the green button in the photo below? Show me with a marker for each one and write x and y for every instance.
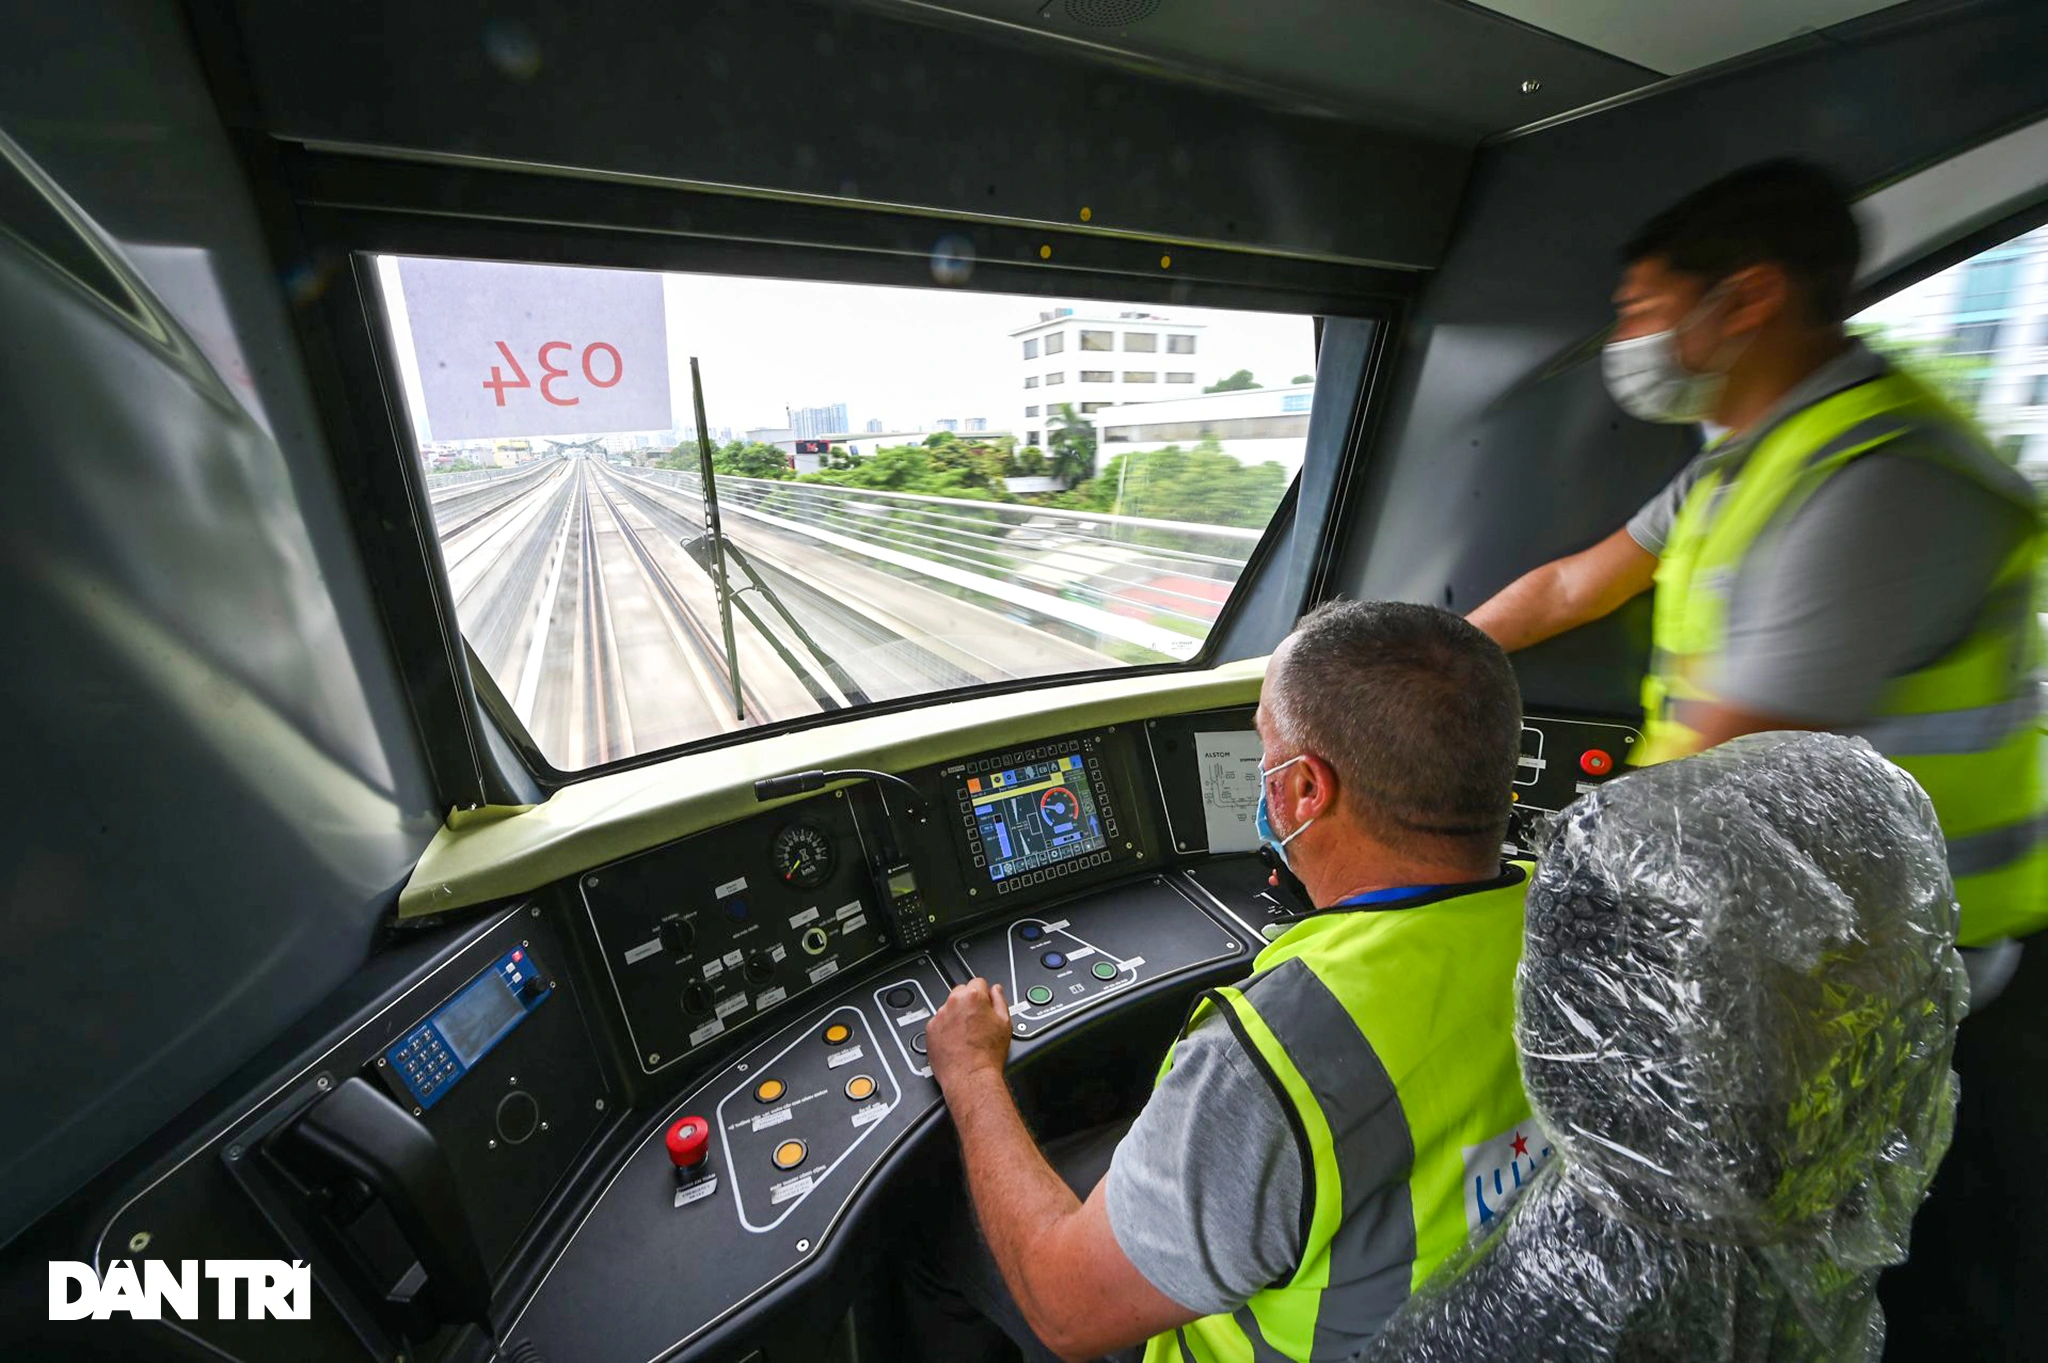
(1039, 995)
(1105, 970)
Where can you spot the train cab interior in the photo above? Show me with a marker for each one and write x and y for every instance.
(556, 605)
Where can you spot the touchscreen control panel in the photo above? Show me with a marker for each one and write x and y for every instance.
(1035, 815)
(1032, 819)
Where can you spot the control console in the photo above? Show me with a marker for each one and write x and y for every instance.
(1025, 825)
(704, 934)
(1057, 963)
(746, 1177)
(1561, 760)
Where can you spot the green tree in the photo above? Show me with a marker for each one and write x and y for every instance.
(1236, 383)
(944, 466)
(1303, 378)
(1203, 485)
(755, 460)
(1072, 445)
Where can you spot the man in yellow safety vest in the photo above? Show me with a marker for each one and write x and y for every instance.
(1322, 1135)
(1847, 553)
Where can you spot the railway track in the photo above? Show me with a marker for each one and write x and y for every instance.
(708, 649)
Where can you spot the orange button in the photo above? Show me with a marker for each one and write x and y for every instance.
(768, 1090)
(860, 1088)
(789, 1154)
(837, 1033)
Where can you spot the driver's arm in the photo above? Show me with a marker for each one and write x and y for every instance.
(1080, 1294)
(1567, 592)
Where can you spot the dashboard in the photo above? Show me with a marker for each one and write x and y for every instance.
(657, 1093)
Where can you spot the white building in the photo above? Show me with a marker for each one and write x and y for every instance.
(1097, 360)
(811, 423)
(1253, 425)
(1991, 309)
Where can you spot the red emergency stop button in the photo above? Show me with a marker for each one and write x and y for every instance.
(1595, 762)
(689, 1140)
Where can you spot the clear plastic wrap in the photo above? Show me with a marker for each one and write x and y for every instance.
(1736, 1009)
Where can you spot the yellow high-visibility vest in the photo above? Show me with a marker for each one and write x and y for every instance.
(1968, 726)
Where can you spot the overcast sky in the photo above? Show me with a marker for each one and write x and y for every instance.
(906, 356)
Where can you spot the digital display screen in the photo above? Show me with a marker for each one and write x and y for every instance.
(476, 1017)
(1037, 814)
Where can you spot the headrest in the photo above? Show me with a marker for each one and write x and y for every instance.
(1739, 995)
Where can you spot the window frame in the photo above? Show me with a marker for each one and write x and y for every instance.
(354, 208)
(1151, 346)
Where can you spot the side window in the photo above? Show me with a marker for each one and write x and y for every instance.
(1978, 332)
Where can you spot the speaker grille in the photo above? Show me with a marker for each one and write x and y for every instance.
(1110, 13)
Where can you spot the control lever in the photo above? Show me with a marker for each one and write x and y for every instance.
(383, 1145)
(800, 782)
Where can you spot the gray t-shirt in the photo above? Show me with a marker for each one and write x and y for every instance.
(1878, 574)
(1204, 1192)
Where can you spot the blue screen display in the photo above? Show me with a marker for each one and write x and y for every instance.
(1036, 814)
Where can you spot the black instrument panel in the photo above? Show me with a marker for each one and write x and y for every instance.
(1561, 760)
(513, 1119)
(1060, 962)
(703, 934)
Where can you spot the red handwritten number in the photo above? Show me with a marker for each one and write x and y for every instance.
(618, 365)
(498, 383)
(550, 373)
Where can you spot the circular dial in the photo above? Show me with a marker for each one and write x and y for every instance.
(803, 855)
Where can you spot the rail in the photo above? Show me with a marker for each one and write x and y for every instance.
(438, 482)
(1158, 584)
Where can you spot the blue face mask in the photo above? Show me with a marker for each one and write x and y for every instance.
(1272, 841)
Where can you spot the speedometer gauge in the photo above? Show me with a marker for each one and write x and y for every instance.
(803, 855)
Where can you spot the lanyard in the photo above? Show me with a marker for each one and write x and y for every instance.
(1386, 896)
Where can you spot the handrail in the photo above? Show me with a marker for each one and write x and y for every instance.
(1125, 570)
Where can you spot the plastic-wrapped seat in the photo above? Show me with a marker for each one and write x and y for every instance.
(1735, 1011)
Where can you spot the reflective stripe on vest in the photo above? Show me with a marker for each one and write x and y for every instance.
(1388, 1037)
(1967, 726)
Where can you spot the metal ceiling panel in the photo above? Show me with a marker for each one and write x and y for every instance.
(1452, 69)
(1676, 36)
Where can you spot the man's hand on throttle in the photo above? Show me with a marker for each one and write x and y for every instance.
(969, 1033)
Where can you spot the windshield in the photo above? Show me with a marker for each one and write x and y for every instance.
(917, 490)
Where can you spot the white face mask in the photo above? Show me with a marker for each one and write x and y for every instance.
(1648, 380)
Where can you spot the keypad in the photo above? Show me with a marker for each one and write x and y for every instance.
(424, 1059)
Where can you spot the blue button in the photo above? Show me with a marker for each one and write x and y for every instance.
(736, 909)
(1052, 960)
(1031, 932)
